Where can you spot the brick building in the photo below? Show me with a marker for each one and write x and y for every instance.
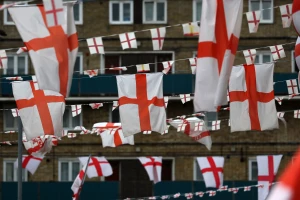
(107, 17)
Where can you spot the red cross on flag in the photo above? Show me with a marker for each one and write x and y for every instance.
(30, 163)
(143, 68)
(188, 195)
(153, 166)
(247, 188)
(286, 15)
(190, 29)
(115, 138)
(177, 195)
(15, 112)
(77, 184)
(158, 37)
(141, 103)
(71, 135)
(292, 86)
(53, 50)
(212, 193)
(3, 59)
(91, 73)
(297, 52)
(185, 98)
(95, 45)
(147, 132)
(54, 12)
(96, 105)
(277, 52)
(267, 169)
(297, 114)
(15, 78)
(212, 170)
(199, 126)
(253, 18)
(22, 50)
(41, 111)
(250, 55)
(104, 126)
(251, 89)
(296, 15)
(128, 40)
(76, 110)
(220, 31)
(98, 166)
(84, 131)
(233, 190)
(215, 125)
(193, 64)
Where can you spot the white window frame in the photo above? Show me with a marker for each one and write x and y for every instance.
(15, 56)
(12, 160)
(264, 21)
(70, 161)
(260, 54)
(155, 21)
(195, 170)
(5, 13)
(80, 55)
(195, 9)
(70, 119)
(293, 61)
(250, 161)
(80, 21)
(121, 21)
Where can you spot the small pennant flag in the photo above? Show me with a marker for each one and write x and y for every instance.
(146, 132)
(72, 135)
(143, 68)
(167, 66)
(193, 64)
(95, 45)
(279, 100)
(277, 52)
(15, 112)
(181, 127)
(158, 37)
(253, 18)
(185, 98)
(250, 55)
(177, 195)
(54, 12)
(128, 40)
(212, 193)
(286, 15)
(297, 114)
(233, 190)
(22, 50)
(91, 73)
(199, 194)
(190, 29)
(215, 125)
(199, 126)
(166, 100)
(292, 86)
(83, 130)
(118, 68)
(188, 195)
(76, 110)
(280, 114)
(15, 78)
(96, 105)
(115, 105)
(167, 130)
(247, 188)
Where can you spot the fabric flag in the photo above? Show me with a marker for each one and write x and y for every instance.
(147, 132)
(153, 166)
(267, 169)
(30, 163)
(41, 111)
(190, 29)
(3, 59)
(297, 114)
(193, 64)
(286, 15)
(250, 55)
(185, 98)
(15, 112)
(158, 37)
(76, 110)
(118, 68)
(39, 146)
(215, 125)
(297, 52)
(279, 100)
(167, 66)
(188, 195)
(292, 87)
(104, 126)
(95, 45)
(220, 30)
(15, 78)
(98, 166)
(91, 73)
(296, 15)
(277, 52)
(115, 105)
(96, 105)
(115, 138)
(54, 13)
(188, 127)
(22, 50)
(128, 40)
(83, 130)
(141, 103)
(251, 89)
(53, 50)
(78, 182)
(166, 131)
(72, 135)
(143, 68)
(166, 100)
(253, 18)
(212, 170)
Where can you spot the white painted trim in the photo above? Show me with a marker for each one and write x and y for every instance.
(12, 160)
(155, 21)
(293, 61)
(121, 21)
(250, 161)
(69, 161)
(80, 21)
(263, 21)
(194, 9)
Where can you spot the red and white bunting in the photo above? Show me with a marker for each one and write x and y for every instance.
(151, 198)
(212, 193)
(22, 50)
(15, 112)
(166, 100)
(297, 114)
(167, 66)
(247, 188)
(128, 40)
(223, 188)
(6, 142)
(103, 126)
(158, 37)
(95, 45)
(76, 110)
(177, 195)
(30, 163)
(286, 15)
(253, 19)
(3, 59)
(147, 132)
(8, 132)
(96, 105)
(118, 68)
(185, 98)
(115, 105)
(292, 86)
(233, 190)
(181, 127)
(193, 64)
(199, 126)
(54, 12)
(190, 29)
(279, 100)
(83, 130)
(277, 52)
(167, 130)
(199, 194)
(15, 78)
(250, 55)
(91, 73)
(165, 197)
(72, 135)
(280, 114)
(143, 68)
(188, 195)
(215, 125)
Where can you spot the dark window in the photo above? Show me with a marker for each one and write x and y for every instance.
(138, 9)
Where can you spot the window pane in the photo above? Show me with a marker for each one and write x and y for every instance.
(266, 14)
(198, 10)
(76, 12)
(21, 65)
(77, 65)
(9, 172)
(160, 12)
(64, 174)
(9, 119)
(10, 65)
(23, 174)
(75, 169)
(266, 58)
(257, 59)
(76, 121)
(254, 171)
(115, 12)
(255, 5)
(209, 118)
(149, 7)
(126, 12)
(66, 117)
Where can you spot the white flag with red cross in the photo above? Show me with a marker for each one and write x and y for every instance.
(104, 126)
(220, 31)
(212, 170)
(15, 112)
(76, 110)
(296, 15)
(185, 98)
(15, 78)
(153, 166)
(30, 163)
(95, 45)
(167, 66)
(3, 59)
(292, 87)
(253, 18)
(128, 40)
(143, 68)
(250, 55)
(98, 166)
(53, 50)
(91, 73)
(158, 37)
(267, 169)
(286, 15)
(54, 12)
(193, 64)
(297, 114)
(84, 131)
(115, 137)
(277, 52)
(22, 50)
(141, 103)
(251, 88)
(297, 52)
(96, 105)
(77, 184)
(41, 111)
(190, 29)
(279, 100)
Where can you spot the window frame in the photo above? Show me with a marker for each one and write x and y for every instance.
(71, 118)
(15, 178)
(260, 54)
(16, 68)
(80, 55)
(155, 21)
(250, 161)
(263, 21)
(80, 21)
(70, 161)
(195, 10)
(5, 13)
(121, 21)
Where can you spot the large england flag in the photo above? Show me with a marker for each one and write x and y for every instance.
(251, 94)
(296, 15)
(220, 31)
(52, 50)
(97, 166)
(141, 103)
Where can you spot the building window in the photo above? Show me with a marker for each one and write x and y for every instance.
(198, 176)
(69, 121)
(197, 10)
(209, 118)
(154, 11)
(16, 64)
(266, 14)
(7, 18)
(263, 57)
(78, 13)
(121, 12)
(68, 169)
(252, 169)
(78, 68)
(10, 122)
(293, 61)
(10, 174)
